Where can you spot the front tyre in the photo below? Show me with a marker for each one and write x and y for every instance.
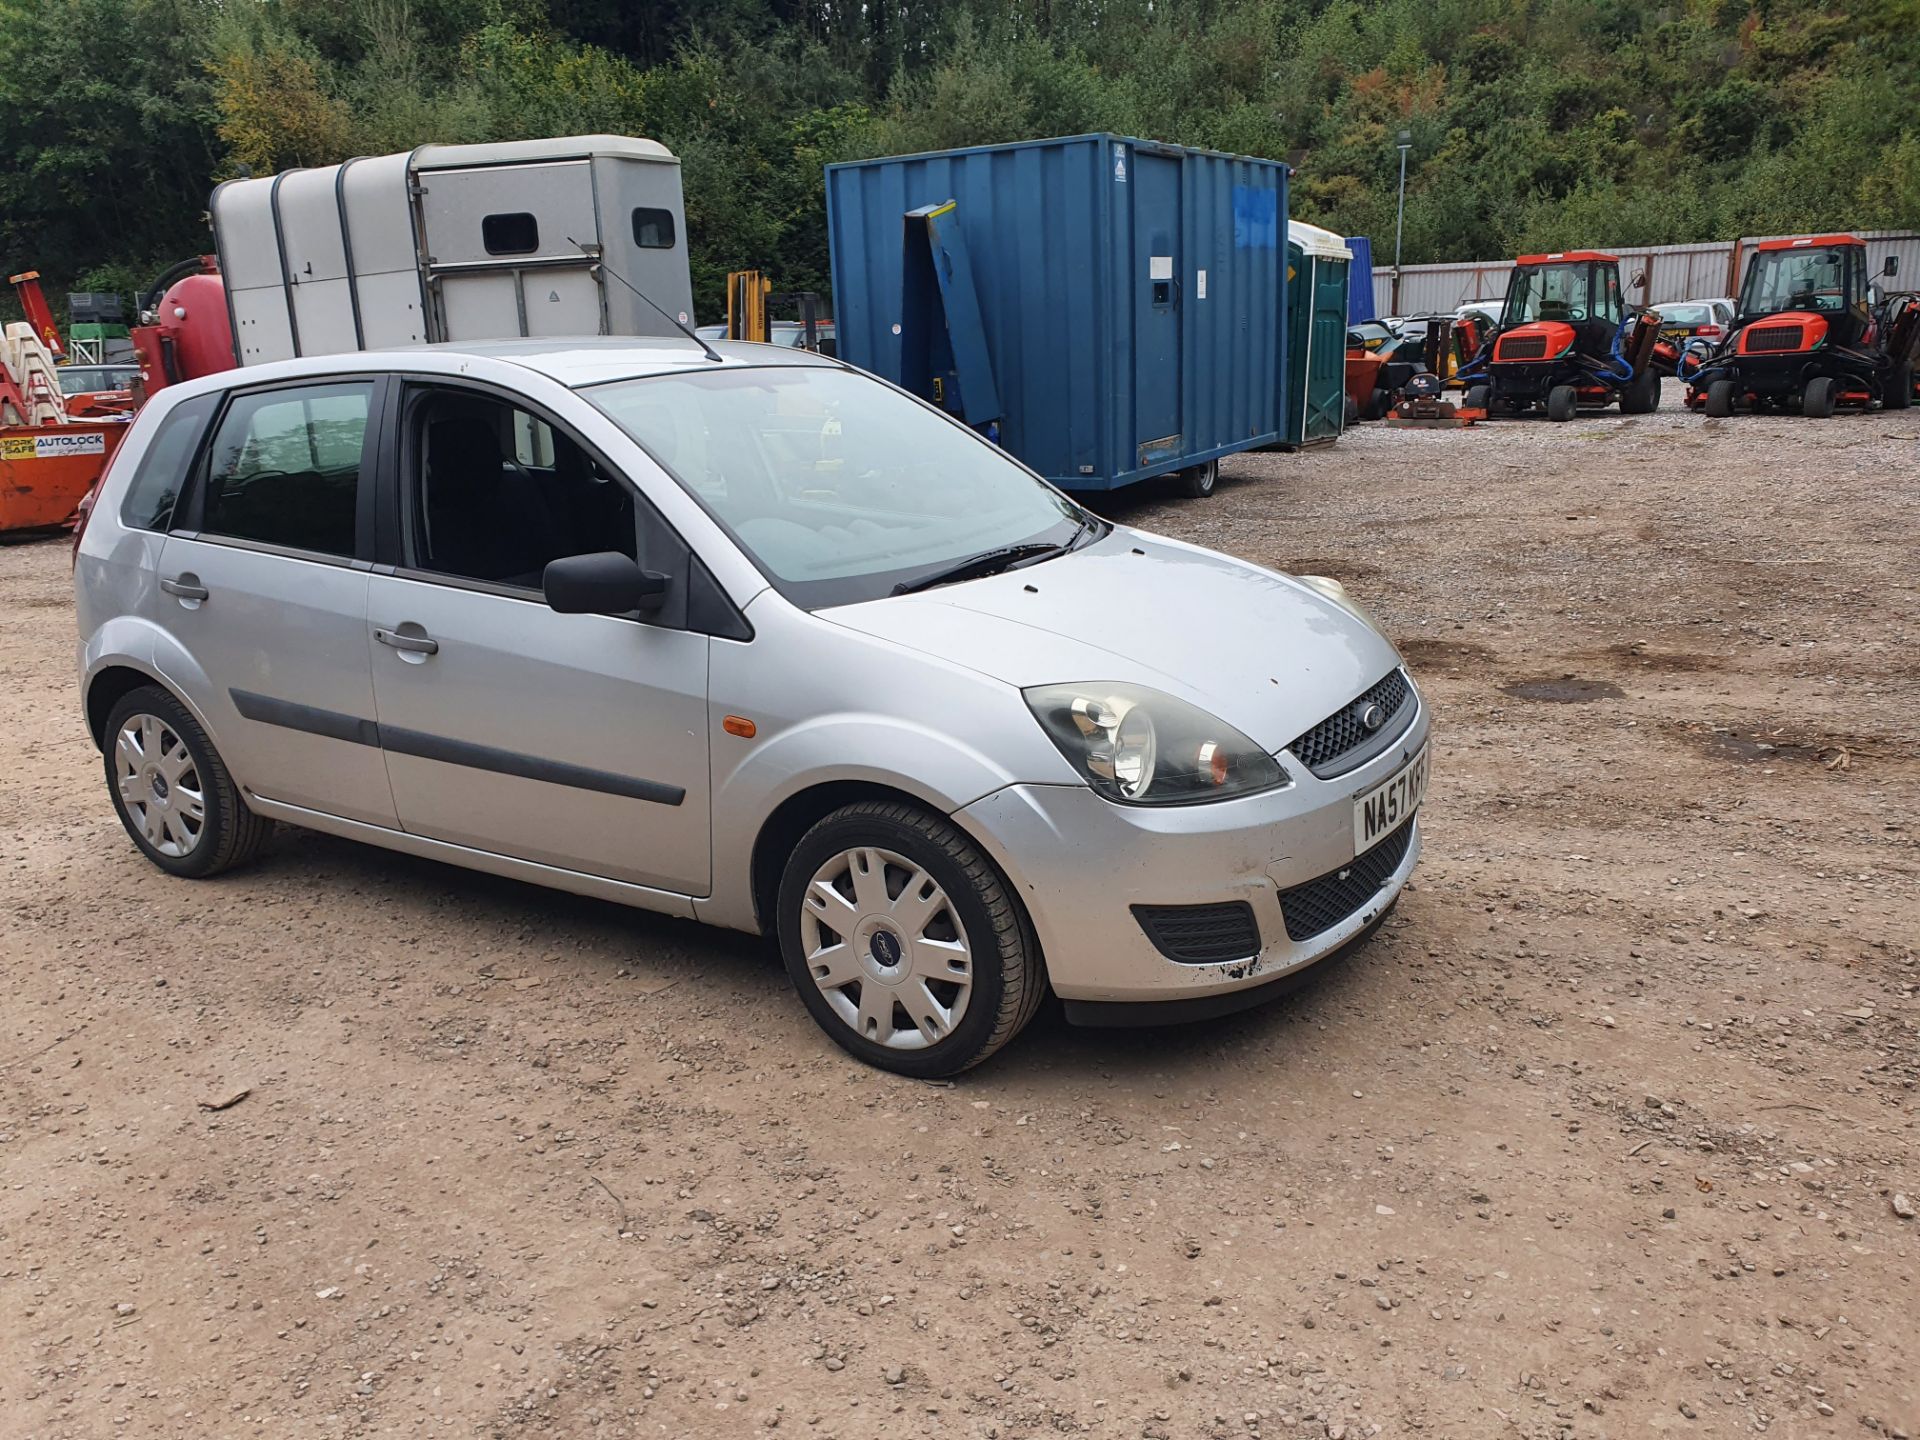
(1561, 402)
(1478, 397)
(1816, 401)
(1899, 389)
(172, 790)
(1720, 399)
(905, 942)
(1642, 393)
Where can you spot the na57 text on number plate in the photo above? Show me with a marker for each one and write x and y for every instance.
(1378, 812)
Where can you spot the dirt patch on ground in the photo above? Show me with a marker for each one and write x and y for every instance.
(1564, 690)
(1596, 1139)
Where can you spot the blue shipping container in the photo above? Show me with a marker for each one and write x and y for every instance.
(1116, 306)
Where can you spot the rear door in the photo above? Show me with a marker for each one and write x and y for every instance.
(1156, 306)
(506, 245)
(264, 588)
(578, 741)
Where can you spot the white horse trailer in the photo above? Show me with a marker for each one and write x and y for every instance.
(455, 242)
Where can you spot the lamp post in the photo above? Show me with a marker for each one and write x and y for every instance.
(1400, 218)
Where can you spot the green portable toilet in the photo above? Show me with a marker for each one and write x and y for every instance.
(1317, 264)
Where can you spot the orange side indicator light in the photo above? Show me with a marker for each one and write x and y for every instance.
(741, 726)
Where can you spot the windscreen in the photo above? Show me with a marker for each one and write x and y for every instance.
(1685, 314)
(1549, 292)
(838, 486)
(1780, 280)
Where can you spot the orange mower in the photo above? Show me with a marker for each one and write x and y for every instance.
(1809, 335)
(1565, 341)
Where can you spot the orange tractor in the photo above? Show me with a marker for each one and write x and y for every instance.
(1565, 341)
(1809, 335)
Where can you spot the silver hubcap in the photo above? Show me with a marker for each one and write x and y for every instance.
(160, 785)
(886, 948)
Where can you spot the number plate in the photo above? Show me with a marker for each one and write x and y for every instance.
(1378, 812)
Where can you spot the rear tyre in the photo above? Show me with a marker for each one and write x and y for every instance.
(1561, 401)
(1899, 391)
(1197, 481)
(1816, 401)
(905, 942)
(1478, 397)
(1720, 399)
(172, 790)
(1642, 393)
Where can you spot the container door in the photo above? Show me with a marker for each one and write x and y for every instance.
(1156, 350)
(1327, 352)
(1299, 328)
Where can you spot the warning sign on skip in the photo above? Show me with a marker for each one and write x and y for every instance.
(52, 447)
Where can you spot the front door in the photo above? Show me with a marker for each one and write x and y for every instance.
(578, 741)
(1157, 304)
(264, 587)
(1326, 378)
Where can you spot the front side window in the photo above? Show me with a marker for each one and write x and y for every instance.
(652, 229)
(838, 487)
(497, 492)
(285, 467)
(163, 469)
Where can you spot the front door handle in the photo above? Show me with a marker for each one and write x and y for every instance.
(187, 586)
(412, 644)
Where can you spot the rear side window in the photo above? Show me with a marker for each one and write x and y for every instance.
(517, 233)
(163, 469)
(284, 467)
(652, 229)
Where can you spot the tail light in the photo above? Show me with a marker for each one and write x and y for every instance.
(1710, 332)
(82, 513)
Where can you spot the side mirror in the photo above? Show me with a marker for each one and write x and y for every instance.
(604, 583)
(1639, 282)
(1892, 267)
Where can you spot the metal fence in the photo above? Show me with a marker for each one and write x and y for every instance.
(1650, 274)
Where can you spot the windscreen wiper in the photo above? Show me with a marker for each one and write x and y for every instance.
(987, 562)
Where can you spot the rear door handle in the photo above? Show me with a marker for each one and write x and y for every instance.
(412, 644)
(187, 587)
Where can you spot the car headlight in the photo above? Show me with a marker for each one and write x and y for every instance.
(1140, 746)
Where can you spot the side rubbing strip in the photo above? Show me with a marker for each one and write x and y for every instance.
(289, 716)
(527, 767)
(354, 730)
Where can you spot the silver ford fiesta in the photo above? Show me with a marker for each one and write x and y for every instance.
(745, 635)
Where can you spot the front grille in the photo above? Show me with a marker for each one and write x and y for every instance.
(1317, 906)
(1201, 934)
(1523, 347)
(1774, 337)
(1335, 739)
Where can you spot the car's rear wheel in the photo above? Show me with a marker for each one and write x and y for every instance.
(172, 790)
(905, 942)
(1816, 401)
(1561, 401)
(1720, 399)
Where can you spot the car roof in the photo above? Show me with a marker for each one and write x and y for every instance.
(573, 361)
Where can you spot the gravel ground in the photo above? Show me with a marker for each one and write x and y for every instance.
(1601, 1136)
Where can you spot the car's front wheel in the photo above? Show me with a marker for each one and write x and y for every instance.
(905, 942)
(172, 790)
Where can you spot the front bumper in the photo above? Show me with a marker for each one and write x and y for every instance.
(1080, 863)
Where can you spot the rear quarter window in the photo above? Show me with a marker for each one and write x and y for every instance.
(163, 469)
